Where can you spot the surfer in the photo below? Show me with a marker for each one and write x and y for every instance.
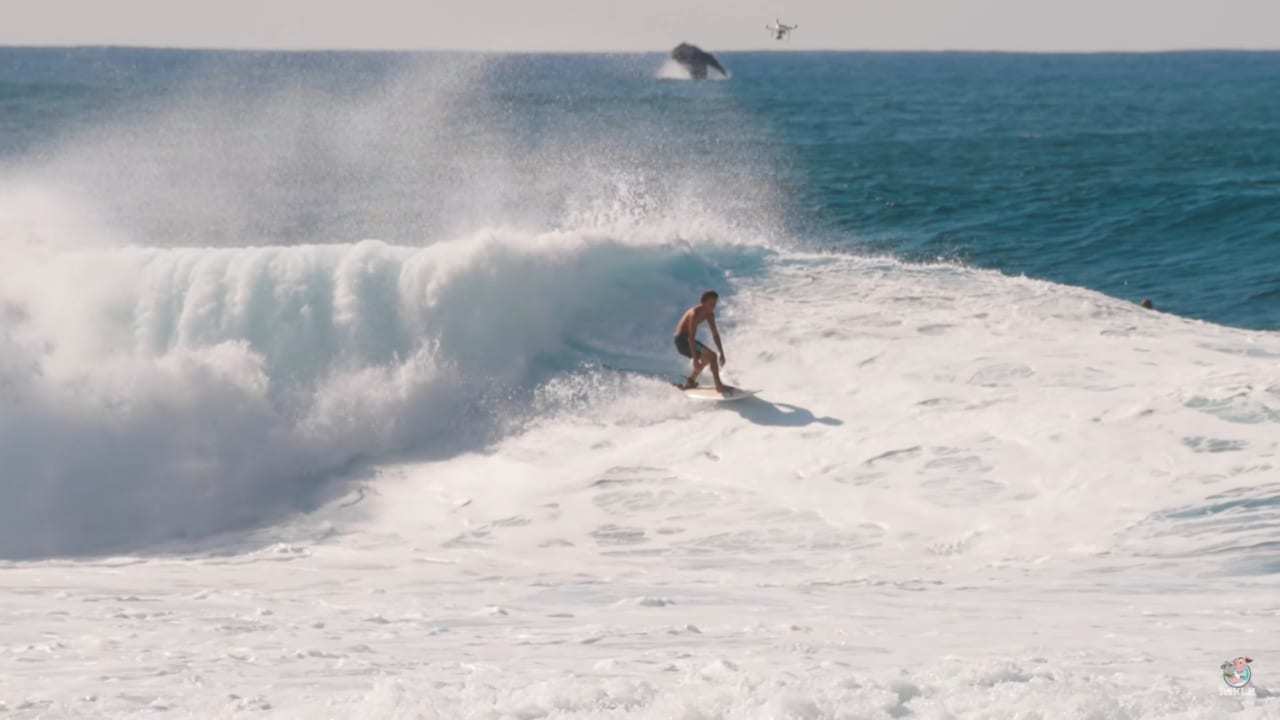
(687, 342)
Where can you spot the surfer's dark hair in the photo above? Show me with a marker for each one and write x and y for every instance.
(710, 294)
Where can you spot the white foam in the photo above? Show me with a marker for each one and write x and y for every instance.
(672, 70)
(951, 501)
(922, 417)
(153, 393)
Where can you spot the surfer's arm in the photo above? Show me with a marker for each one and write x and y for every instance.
(715, 335)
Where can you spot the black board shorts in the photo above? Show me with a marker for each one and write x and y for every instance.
(682, 346)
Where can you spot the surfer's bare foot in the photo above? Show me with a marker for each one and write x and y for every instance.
(690, 384)
(721, 388)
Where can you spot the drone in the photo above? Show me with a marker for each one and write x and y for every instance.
(779, 30)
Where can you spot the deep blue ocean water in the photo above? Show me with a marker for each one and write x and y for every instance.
(1150, 175)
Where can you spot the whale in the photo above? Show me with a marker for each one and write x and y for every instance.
(696, 60)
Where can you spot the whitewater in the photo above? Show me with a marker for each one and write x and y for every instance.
(369, 477)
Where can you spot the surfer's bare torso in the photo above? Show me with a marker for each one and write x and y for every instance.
(692, 318)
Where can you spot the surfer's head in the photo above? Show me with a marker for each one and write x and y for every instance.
(709, 299)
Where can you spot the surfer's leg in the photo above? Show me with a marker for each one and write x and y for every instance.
(698, 365)
(700, 360)
(682, 347)
(709, 358)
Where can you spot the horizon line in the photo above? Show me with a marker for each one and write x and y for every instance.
(509, 51)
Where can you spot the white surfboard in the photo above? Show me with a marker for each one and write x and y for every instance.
(710, 394)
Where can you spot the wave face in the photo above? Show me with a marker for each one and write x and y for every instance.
(193, 338)
(157, 393)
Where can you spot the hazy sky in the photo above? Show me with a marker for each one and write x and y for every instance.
(648, 25)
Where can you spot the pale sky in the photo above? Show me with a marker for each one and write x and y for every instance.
(602, 25)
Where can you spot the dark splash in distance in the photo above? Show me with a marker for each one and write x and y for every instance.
(696, 61)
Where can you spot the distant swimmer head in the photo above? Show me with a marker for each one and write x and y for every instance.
(709, 299)
(1146, 303)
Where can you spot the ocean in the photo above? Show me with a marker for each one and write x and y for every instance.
(1147, 175)
(338, 384)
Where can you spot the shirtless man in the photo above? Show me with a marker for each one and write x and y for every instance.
(687, 342)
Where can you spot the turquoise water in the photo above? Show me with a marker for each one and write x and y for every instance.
(1137, 175)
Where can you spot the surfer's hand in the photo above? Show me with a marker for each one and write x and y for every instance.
(721, 359)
